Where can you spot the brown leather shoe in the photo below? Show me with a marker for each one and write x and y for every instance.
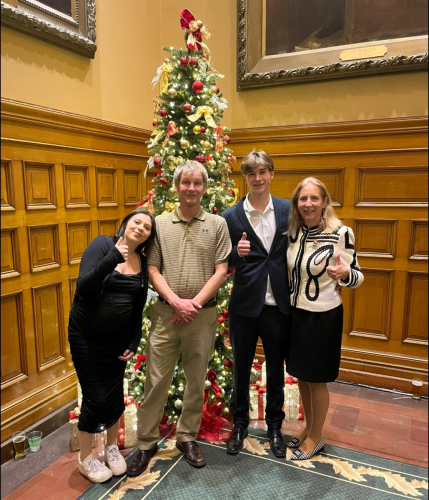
(140, 461)
(193, 453)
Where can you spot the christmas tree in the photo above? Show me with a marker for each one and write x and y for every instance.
(187, 126)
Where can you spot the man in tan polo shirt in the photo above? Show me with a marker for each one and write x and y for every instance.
(188, 263)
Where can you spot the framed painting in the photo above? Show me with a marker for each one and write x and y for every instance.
(67, 23)
(291, 41)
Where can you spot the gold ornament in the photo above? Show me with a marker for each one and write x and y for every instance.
(214, 90)
(212, 164)
(172, 93)
(207, 145)
(184, 143)
(197, 130)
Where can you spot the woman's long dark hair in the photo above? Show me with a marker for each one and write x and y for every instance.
(121, 231)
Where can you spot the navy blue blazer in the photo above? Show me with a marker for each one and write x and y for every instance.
(251, 276)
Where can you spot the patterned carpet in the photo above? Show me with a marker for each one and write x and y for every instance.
(255, 474)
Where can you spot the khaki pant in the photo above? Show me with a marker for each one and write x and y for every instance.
(196, 341)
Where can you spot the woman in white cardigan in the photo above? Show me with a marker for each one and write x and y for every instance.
(321, 260)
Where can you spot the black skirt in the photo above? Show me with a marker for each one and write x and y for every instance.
(315, 351)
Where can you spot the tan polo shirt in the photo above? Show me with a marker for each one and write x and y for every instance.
(186, 253)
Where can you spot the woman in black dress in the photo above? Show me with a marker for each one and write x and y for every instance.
(104, 332)
(321, 260)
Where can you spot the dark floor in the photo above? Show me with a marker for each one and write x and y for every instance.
(376, 422)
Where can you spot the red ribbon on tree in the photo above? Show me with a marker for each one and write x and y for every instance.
(212, 377)
(172, 129)
(219, 142)
(214, 427)
(197, 32)
(140, 359)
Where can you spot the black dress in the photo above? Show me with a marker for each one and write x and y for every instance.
(105, 320)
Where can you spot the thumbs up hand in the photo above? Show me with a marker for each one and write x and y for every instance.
(243, 247)
(339, 271)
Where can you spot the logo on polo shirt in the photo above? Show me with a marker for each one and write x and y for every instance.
(205, 230)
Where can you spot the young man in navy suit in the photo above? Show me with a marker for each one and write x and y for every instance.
(260, 305)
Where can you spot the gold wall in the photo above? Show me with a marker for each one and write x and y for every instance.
(115, 86)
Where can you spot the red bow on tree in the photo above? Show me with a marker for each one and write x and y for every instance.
(197, 32)
(212, 377)
(140, 359)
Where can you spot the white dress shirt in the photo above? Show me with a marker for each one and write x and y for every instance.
(265, 227)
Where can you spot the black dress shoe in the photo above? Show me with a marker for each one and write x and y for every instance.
(277, 443)
(194, 455)
(236, 441)
(140, 461)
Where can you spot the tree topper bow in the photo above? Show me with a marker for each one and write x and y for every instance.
(197, 31)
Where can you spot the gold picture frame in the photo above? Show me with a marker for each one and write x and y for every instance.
(73, 29)
(255, 69)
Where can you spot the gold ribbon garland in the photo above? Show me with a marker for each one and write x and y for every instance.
(166, 69)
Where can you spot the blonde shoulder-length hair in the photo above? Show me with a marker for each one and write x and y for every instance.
(329, 218)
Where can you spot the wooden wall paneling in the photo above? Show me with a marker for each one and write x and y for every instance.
(285, 182)
(419, 240)
(107, 187)
(10, 258)
(44, 246)
(76, 186)
(7, 189)
(13, 343)
(376, 238)
(132, 187)
(39, 186)
(78, 238)
(416, 309)
(371, 305)
(49, 325)
(108, 227)
(396, 186)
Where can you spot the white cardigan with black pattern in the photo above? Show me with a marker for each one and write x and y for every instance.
(310, 253)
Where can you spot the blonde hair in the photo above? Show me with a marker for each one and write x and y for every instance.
(256, 159)
(329, 218)
(191, 167)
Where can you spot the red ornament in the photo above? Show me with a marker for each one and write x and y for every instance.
(72, 415)
(155, 124)
(221, 320)
(225, 331)
(163, 113)
(216, 211)
(231, 192)
(159, 173)
(198, 87)
(225, 313)
(187, 108)
(157, 161)
(230, 167)
(163, 181)
(201, 159)
(183, 62)
(193, 61)
(226, 139)
(217, 89)
(203, 130)
(228, 364)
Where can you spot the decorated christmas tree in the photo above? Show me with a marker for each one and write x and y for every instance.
(188, 126)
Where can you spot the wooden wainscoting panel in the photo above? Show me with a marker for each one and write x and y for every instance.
(287, 180)
(10, 259)
(416, 309)
(44, 247)
(107, 187)
(76, 186)
(7, 194)
(14, 363)
(78, 238)
(73, 282)
(108, 227)
(39, 186)
(48, 319)
(419, 240)
(370, 309)
(399, 186)
(376, 238)
(132, 187)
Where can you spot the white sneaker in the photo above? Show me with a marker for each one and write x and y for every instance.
(94, 470)
(115, 460)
